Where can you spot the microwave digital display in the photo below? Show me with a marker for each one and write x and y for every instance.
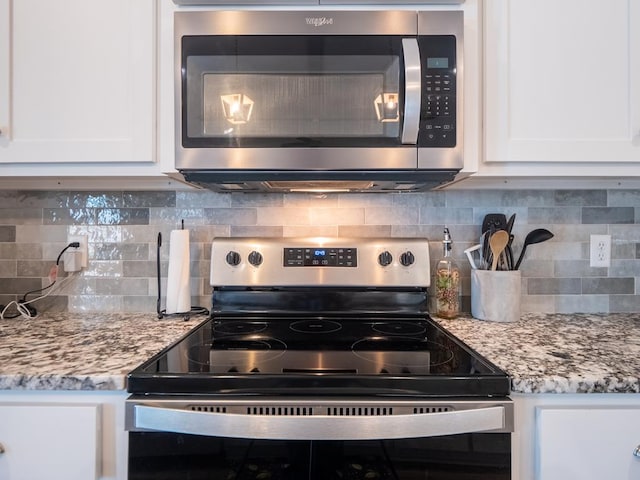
(437, 62)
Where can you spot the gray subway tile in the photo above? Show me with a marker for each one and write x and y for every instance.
(80, 200)
(310, 231)
(581, 197)
(149, 199)
(624, 303)
(255, 200)
(601, 286)
(255, 231)
(15, 216)
(624, 268)
(537, 304)
(336, 216)
(8, 269)
(7, 233)
(202, 198)
(122, 216)
(8, 251)
(582, 303)
(119, 251)
(555, 215)
(95, 303)
(231, 216)
(368, 231)
(33, 268)
(122, 286)
(576, 268)
(19, 286)
(132, 268)
(310, 200)
(554, 286)
(527, 198)
(391, 216)
(608, 215)
(43, 199)
(623, 198)
(637, 250)
(136, 304)
(71, 216)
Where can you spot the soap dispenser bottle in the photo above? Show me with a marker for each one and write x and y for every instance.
(447, 282)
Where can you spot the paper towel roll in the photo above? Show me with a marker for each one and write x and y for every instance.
(178, 288)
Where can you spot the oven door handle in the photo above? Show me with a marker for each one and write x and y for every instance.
(318, 427)
(412, 90)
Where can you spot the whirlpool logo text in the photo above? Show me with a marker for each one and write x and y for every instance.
(319, 21)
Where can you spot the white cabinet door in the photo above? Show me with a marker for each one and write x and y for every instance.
(77, 81)
(588, 443)
(562, 83)
(53, 442)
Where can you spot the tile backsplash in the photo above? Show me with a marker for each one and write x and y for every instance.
(123, 228)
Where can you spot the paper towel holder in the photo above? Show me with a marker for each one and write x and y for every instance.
(159, 310)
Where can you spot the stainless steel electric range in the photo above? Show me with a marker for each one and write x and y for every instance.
(319, 361)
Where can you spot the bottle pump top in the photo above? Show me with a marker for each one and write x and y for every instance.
(446, 243)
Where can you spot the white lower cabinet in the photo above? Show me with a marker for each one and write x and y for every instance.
(576, 436)
(62, 436)
(588, 443)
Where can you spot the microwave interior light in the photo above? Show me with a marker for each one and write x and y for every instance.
(386, 105)
(237, 108)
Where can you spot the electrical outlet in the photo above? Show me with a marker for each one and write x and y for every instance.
(600, 252)
(83, 240)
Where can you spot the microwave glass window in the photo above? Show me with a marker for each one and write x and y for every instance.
(269, 96)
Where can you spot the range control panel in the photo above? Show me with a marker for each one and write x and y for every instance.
(321, 257)
(375, 262)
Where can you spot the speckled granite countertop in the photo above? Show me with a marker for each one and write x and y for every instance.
(542, 353)
(69, 351)
(578, 353)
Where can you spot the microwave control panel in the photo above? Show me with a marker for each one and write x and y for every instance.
(438, 110)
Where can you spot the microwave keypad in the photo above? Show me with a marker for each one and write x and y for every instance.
(438, 110)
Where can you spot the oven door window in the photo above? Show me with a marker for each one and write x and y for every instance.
(292, 91)
(478, 456)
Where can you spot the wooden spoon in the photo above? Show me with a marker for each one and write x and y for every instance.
(497, 243)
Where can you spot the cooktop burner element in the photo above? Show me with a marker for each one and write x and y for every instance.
(399, 328)
(315, 326)
(239, 327)
(305, 321)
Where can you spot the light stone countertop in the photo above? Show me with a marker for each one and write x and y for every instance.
(560, 353)
(578, 353)
(89, 351)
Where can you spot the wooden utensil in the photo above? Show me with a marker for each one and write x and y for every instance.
(497, 243)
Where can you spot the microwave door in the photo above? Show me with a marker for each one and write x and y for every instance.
(413, 91)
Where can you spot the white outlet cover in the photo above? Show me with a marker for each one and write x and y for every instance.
(600, 251)
(84, 248)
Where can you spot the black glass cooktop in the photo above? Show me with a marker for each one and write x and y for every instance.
(257, 355)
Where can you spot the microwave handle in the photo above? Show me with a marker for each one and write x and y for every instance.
(412, 91)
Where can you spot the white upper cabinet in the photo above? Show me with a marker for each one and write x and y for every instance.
(77, 81)
(562, 86)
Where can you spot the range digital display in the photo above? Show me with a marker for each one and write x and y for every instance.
(321, 257)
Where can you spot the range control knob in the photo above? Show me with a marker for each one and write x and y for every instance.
(233, 258)
(407, 258)
(255, 258)
(385, 258)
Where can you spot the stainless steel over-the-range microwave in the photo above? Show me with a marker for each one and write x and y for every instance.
(319, 100)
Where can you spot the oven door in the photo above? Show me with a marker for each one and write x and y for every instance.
(320, 440)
